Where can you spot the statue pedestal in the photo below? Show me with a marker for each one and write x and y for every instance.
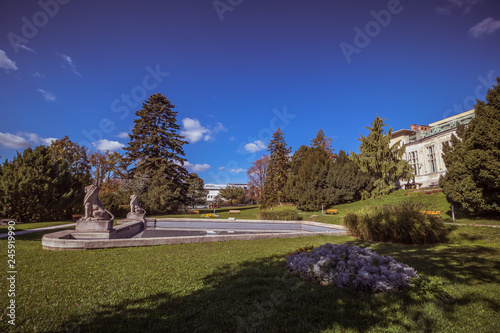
(94, 229)
(136, 217)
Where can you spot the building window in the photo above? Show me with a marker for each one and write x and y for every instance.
(414, 162)
(431, 158)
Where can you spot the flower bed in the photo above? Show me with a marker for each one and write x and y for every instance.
(348, 266)
(210, 215)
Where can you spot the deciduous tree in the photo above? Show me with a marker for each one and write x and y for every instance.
(233, 193)
(256, 177)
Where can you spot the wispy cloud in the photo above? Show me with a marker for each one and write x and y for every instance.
(123, 135)
(464, 5)
(193, 131)
(255, 146)
(24, 47)
(38, 74)
(48, 96)
(485, 27)
(23, 140)
(6, 63)
(72, 66)
(237, 170)
(221, 168)
(104, 145)
(196, 167)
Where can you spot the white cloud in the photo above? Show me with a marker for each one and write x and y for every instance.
(193, 131)
(237, 170)
(221, 168)
(485, 27)
(13, 141)
(38, 140)
(6, 63)
(48, 96)
(37, 74)
(196, 167)
(255, 146)
(466, 5)
(123, 135)
(71, 64)
(23, 140)
(104, 145)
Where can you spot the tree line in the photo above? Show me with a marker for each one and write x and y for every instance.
(47, 183)
(314, 176)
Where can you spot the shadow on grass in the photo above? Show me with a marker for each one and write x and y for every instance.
(259, 296)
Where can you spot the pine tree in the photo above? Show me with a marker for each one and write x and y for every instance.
(277, 171)
(472, 181)
(155, 152)
(383, 162)
(323, 142)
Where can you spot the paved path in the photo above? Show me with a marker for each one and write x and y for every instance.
(474, 225)
(22, 232)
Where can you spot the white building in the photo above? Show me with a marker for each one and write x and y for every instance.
(424, 147)
(214, 189)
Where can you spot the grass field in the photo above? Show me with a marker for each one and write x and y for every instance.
(242, 286)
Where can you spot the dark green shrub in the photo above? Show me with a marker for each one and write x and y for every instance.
(402, 223)
(282, 212)
(117, 204)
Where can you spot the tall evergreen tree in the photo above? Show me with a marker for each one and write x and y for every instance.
(385, 163)
(307, 185)
(472, 181)
(155, 151)
(278, 168)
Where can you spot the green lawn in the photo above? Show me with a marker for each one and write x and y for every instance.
(29, 226)
(243, 286)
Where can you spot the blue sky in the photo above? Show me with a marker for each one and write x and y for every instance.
(238, 69)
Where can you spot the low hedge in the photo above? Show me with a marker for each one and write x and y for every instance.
(402, 223)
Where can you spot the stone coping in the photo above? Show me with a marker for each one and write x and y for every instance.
(63, 240)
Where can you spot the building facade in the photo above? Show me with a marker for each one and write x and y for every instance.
(214, 189)
(424, 147)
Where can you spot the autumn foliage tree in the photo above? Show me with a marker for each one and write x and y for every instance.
(256, 177)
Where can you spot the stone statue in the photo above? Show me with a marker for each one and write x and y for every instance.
(136, 211)
(93, 207)
(134, 205)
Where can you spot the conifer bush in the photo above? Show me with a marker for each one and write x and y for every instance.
(402, 223)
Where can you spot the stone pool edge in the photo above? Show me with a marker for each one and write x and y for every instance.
(62, 240)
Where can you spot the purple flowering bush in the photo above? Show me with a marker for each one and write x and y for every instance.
(348, 266)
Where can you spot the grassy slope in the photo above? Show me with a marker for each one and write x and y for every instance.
(243, 285)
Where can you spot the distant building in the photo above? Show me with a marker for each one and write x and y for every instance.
(214, 189)
(424, 147)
